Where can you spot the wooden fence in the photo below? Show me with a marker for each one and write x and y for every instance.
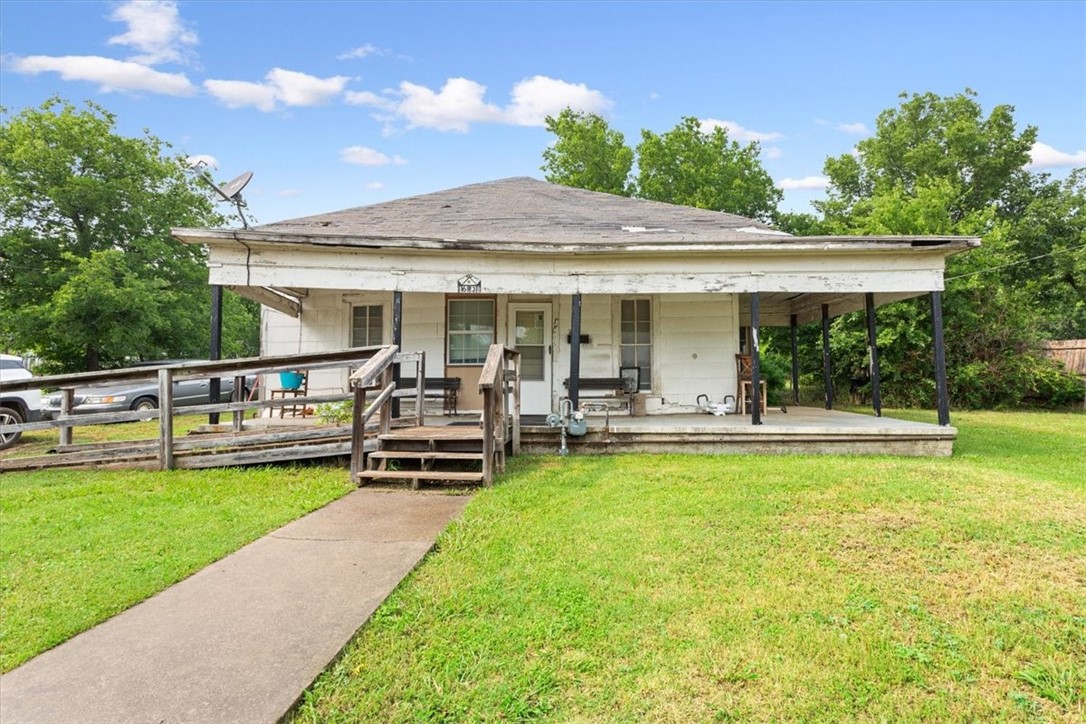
(237, 447)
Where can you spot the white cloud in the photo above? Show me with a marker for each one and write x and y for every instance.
(155, 29)
(289, 193)
(462, 102)
(240, 94)
(807, 182)
(539, 96)
(1044, 156)
(856, 129)
(458, 104)
(368, 157)
(360, 52)
(288, 87)
(375, 185)
(367, 98)
(300, 89)
(772, 152)
(737, 132)
(110, 74)
(202, 160)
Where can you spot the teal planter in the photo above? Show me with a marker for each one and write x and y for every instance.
(291, 380)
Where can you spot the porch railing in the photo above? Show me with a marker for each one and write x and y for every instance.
(499, 378)
(378, 375)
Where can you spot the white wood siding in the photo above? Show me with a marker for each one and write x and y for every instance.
(694, 347)
(838, 271)
(694, 339)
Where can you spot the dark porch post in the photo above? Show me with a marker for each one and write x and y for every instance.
(397, 339)
(575, 353)
(795, 359)
(755, 362)
(827, 364)
(941, 398)
(216, 350)
(873, 345)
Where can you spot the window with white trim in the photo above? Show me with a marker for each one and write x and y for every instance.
(635, 340)
(471, 324)
(367, 325)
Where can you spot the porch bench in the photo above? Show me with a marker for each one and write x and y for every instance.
(603, 388)
(447, 389)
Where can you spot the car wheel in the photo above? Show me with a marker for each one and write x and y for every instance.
(9, 416)
(145, 404)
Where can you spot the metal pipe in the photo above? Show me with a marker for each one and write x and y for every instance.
(942, 399)
(794, 324)
(216, 349)
(873, 347)
(755, 362)
(827, 363)
(575, 353)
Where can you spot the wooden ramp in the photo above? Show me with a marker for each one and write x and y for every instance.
(252, 447)
(449, 453)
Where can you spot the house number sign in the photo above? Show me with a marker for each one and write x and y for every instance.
(469, 284)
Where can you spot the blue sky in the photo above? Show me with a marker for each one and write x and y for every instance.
(339, 104)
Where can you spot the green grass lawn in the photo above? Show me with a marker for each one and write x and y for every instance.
(748, 588)
(77, 547)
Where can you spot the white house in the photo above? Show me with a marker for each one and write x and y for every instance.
(671, 290)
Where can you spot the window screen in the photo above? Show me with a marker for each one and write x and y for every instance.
(471, 330)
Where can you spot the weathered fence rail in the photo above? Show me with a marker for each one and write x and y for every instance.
(235, 445)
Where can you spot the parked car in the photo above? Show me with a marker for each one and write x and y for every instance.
(142, 395)
(16, 407)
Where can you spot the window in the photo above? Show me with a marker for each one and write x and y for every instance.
(470, 330)
(636, 338)
(367, 325)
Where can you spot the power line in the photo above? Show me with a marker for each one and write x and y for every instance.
(1016, 263)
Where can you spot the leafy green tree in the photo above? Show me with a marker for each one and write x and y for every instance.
(938, 165)
(706, 170)
(90, 277)
(682, 166)
(931, 138)
(587, 154)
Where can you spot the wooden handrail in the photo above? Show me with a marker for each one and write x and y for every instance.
(377, 367)
(494, 386)
(196, 370)
(367, 374)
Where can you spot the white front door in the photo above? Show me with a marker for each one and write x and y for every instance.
(530, 334)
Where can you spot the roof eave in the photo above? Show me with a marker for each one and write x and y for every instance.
(761, 243)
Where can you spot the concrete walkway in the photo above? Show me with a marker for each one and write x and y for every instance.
(242, 639)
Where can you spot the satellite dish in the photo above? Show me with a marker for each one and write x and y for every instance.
(231, 192)
(232, 189)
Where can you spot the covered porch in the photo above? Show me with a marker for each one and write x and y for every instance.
(591, 290)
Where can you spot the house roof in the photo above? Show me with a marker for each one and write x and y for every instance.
(525, 215)
(527, 210)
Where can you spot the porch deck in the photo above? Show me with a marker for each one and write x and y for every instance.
(800, 430)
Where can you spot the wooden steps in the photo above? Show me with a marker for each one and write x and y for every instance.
(416, 475)
(431, 453)
(410, 455)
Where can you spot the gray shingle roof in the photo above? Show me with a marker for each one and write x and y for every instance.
(527, 210)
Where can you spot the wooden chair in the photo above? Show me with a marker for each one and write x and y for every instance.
(300, 391)
(744, 383)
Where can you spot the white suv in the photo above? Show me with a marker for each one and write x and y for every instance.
(16, 407)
